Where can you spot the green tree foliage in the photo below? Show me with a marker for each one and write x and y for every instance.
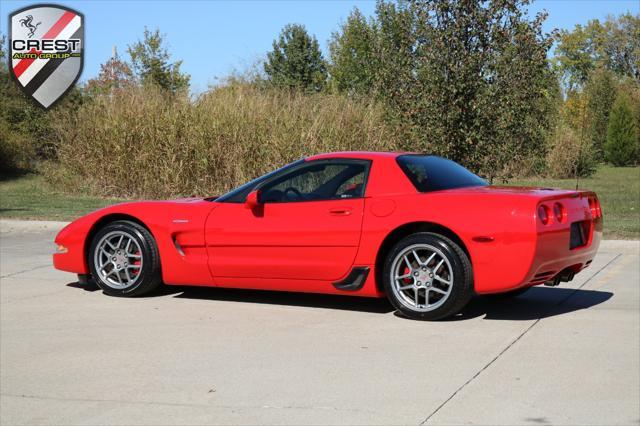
(296, 61)
(600, 91)
(621, 148)
(613, 44)
(151, 63)
(468, 80)
(353, 56)
(375, 57)
(595, 62)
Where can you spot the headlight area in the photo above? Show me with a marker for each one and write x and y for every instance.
(60, 249)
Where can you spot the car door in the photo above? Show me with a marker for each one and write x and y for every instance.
(307, 225)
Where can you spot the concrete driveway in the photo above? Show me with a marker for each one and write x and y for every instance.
(71, 355)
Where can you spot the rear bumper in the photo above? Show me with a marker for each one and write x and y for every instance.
(558, 249)
(553, 256)
(566, 247)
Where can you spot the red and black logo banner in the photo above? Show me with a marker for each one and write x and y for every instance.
(46, 50)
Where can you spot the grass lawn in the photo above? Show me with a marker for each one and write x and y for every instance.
(618, 189)
(29, 197)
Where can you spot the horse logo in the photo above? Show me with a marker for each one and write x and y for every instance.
(46, 52)
(27, 22)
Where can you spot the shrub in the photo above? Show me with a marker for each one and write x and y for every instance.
(140, 143)
(569, 155)
(622, 138)
(15, 150)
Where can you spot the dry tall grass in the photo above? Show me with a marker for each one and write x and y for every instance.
(139, 143)
(568, 154)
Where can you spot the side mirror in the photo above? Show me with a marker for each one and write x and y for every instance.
(253, 200)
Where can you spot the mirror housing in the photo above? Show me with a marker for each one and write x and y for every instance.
(253, 200)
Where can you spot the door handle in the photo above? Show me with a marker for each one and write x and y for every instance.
(340, 212)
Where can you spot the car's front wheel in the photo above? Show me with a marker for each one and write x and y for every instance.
(428, 276)
(124, 259)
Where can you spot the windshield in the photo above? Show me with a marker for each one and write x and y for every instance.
(430, 173)
(239, 194)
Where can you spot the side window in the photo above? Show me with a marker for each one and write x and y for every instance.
(322, 180)
(353, 187)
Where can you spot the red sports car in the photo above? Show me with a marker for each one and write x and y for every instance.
(420, 230)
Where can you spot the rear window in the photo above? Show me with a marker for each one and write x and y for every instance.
(431, 173)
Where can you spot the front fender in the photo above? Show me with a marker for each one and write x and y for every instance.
(177, 227)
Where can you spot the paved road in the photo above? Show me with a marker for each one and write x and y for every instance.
(70, 355)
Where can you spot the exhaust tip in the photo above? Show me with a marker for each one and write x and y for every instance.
(563, 277)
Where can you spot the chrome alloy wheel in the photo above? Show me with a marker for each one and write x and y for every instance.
(421, 277)
(118, 259)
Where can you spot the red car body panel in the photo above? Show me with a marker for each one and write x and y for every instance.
(308, 246)
(317, 239)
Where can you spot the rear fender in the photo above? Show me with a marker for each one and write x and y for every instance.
(497, 233)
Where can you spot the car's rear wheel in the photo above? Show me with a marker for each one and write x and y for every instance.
(124, 259)
(428, 277)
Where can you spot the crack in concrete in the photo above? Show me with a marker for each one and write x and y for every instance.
(183, 404)
(35, 296)
(54, 398)
(520, 336)
(48, 265)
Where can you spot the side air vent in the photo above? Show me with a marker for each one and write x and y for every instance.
(178, 247)
(355, 280)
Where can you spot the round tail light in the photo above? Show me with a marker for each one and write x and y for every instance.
(558, 212)
(543, 214)
(593, 206)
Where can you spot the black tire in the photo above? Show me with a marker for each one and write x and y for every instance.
(460, 289)
(147, 279)
(508, 294)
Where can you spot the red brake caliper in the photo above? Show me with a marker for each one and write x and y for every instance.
(406, 271)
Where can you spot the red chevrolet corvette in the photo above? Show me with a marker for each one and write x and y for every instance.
(420, 230)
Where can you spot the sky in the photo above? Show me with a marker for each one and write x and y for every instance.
(214, 38)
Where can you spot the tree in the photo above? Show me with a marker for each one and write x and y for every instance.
(464, 79)
(613, 45)
(600, 91)
(114, 74)
(151, 62)
(352, 50)
(296, 61)
(621, 45)
(578, 51)
(622, 139)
